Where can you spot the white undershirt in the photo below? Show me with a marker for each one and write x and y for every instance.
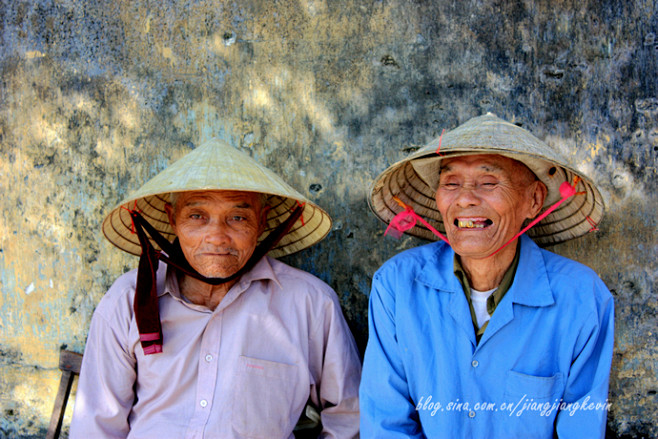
(479, 300)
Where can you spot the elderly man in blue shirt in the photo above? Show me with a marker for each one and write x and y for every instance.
(484, 334)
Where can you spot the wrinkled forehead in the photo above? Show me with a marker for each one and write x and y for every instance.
(493, 163)
(242, 199)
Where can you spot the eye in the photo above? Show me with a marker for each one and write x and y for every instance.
(489, 183)
(449, 186)
(238, 218)
(195, 216)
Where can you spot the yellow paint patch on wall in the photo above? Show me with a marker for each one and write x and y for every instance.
(129, 116)
(310, 105)
(339, 154)
(598, 147)
(33, 353)
(632, 373)
(260, 97)
(34, 54)
(146, 25)
(33, 391)
(168, 53)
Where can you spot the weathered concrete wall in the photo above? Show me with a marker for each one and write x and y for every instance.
(98, 96)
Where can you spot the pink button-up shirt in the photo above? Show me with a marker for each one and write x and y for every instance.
(246, 369)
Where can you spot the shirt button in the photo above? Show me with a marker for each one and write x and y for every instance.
(208, 358)
(475, 363)
(203, 403)
(471, 414)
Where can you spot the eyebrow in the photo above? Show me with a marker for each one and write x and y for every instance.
(488, 168)
(244, 205)
(203, 200)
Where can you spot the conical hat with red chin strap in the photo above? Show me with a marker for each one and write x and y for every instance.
(413, 181)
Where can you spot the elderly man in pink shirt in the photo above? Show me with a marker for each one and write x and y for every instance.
(211, 337)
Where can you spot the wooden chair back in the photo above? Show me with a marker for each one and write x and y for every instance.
(69, 364)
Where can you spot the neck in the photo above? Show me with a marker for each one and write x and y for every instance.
(487, 273)
(201, 293)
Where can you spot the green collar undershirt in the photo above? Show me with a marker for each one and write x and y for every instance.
(495, 298)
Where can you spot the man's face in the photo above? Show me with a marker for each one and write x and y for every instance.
(217, 230)
(484, 200)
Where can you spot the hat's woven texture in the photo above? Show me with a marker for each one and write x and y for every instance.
(217, 166)
(414, 180)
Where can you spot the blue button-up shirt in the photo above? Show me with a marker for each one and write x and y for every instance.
(541, 368)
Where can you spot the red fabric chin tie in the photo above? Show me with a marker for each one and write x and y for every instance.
(566, 190)
(406, 220)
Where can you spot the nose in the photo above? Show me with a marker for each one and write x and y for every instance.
(217, 233)
(467, 197)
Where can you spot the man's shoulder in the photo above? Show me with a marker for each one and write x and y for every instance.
(412, 261)
(299, 280)
(576, 280)
(120, 295)
(124, 282)
(558, 265)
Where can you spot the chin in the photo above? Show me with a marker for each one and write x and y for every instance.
(211, 267)
(220, 273)
(474, 251)
(473, 254)
(215, 271)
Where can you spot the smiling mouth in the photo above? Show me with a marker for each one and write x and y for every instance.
(473, 224)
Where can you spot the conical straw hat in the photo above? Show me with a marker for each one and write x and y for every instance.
(217, 166)
(414, 180)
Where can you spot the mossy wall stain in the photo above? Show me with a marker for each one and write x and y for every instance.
(96, 97)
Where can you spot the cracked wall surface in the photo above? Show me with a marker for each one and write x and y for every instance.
(98, 96)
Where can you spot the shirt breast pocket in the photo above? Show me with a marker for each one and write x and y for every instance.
(540, 389)
(264, 397)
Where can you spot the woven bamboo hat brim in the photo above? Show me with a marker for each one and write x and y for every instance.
(414, 180)
(217, 166)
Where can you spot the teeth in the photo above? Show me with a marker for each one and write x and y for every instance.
(469, 224)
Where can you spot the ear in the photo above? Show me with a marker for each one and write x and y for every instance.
(170, 213)
(262, 224)
(538, 194)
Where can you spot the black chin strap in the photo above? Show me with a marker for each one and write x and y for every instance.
(145, 306)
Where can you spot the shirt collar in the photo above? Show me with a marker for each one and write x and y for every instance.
(262, 271)
(434, 275)
(530, 285)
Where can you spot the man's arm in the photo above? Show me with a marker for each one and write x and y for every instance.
(341, 373)
(386, 407)
(105, 392)
(586, 393)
